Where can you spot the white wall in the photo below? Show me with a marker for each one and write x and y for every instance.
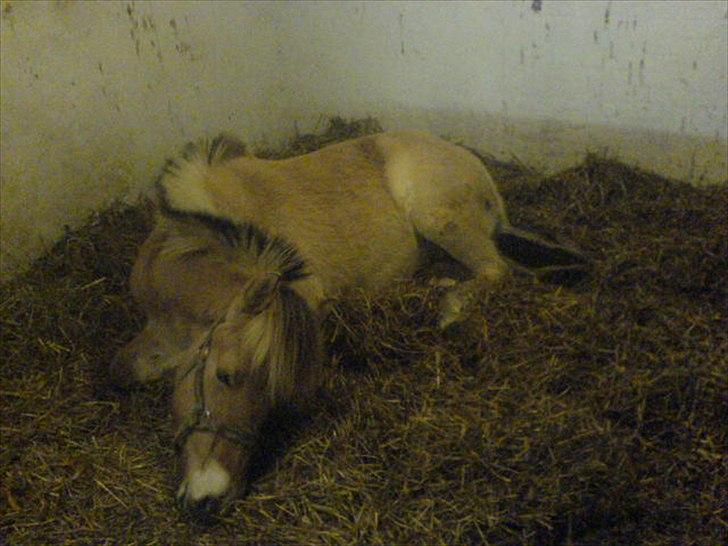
(651, 65)
(643, 80)
(96, 94)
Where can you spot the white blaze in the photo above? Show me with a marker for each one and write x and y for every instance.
(211, 480)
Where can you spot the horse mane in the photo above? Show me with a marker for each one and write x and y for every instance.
(181, 185)
(185, 174)
(283, 340)
(279, 331)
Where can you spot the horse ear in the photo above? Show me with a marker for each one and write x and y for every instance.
(256, 296)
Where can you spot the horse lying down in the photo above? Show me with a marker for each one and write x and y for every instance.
(247, 255)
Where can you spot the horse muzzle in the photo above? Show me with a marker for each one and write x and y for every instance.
(202, 511)
(204, 492)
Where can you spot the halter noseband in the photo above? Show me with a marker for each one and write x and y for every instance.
(201, 419)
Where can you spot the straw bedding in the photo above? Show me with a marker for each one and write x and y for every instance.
(589, 415)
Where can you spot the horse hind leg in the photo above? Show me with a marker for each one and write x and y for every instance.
(479, 236)
(489, 246)
(478, 253)
(465, 228)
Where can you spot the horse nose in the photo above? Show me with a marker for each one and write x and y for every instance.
(202, 493)
(204, 510)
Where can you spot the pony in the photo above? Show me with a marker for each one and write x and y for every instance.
(248, 255)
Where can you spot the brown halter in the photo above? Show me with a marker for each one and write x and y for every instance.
(201, 419)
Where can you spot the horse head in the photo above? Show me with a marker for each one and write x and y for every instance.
(263, 352)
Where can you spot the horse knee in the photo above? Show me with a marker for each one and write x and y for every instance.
(492, 271)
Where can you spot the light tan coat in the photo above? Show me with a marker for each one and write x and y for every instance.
(226, 258)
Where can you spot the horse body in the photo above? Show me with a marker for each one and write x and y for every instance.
(247, 252)
(353, 210)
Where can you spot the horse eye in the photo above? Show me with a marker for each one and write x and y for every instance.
(224, 378)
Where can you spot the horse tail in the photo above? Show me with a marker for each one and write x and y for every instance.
(181, 188)
(550, 260)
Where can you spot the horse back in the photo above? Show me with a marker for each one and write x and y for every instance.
(351, 209)
(333, 205)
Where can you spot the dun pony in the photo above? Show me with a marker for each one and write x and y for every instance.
(248, 254)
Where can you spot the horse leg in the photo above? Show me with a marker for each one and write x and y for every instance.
(144, 359)
(475, 248)
(452, 201)
(465, 227)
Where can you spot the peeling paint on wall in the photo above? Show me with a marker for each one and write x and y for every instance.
(400, 20)
(103, 90)
(607, 14)
(143, 32)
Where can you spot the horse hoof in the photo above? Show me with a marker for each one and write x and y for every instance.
(453, 308)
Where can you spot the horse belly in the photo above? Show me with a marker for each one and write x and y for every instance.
(389, 256)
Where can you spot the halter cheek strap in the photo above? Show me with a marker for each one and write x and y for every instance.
(200, 419)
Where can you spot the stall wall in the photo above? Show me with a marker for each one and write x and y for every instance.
(96, 94)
